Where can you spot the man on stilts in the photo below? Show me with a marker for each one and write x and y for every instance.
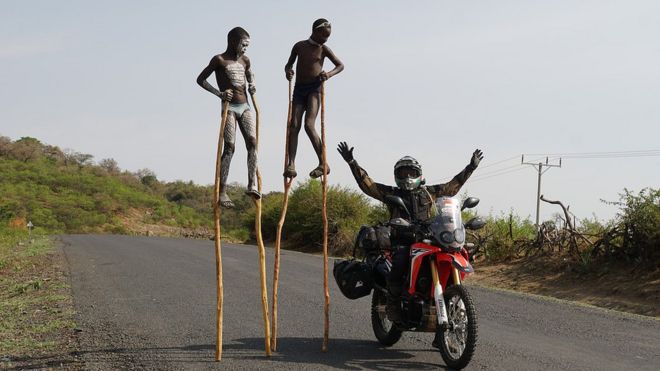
(307, 91)
(234, 77)
(307, 99)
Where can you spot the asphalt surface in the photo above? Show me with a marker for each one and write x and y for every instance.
(149, 303)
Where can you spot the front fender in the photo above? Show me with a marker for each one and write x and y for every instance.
(457, 260)
(461, 263)
(447, 260)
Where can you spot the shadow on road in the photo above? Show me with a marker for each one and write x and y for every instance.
(348, 354)
(344, 354)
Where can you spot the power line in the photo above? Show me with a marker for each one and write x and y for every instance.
(499, 162)
(444, 180)
(555, 156)
(478, 178)
(609, 156)
(652, 152)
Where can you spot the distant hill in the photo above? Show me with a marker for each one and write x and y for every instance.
(66, 191)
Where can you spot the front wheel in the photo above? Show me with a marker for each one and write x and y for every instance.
(457, 341)
(386, 332)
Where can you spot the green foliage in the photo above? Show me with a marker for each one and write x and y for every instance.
(502, 235)
(638, 224)
(33, 298)
(592, 227)
(347, 211)
(65, 192)
(9, 237)
(271, 208)
(16, 245)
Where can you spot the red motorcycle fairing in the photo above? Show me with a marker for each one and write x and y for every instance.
(444, 261)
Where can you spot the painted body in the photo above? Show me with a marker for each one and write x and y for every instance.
(234, 78)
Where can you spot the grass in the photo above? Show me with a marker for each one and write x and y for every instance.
(36, 313)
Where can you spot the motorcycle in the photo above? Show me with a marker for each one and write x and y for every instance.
(435, 299)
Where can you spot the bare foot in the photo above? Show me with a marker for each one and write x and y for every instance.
(316, 173)
(290, 172)
(253, 193)
(226, 202)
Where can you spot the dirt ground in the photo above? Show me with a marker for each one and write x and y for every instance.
(627, 289)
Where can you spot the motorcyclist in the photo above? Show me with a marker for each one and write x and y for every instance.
(418, 198)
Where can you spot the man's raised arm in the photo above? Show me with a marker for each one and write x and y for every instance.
(452, 187)
(366, 184)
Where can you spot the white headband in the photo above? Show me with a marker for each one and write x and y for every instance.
(324, 24)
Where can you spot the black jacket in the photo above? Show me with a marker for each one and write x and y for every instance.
(418, 201)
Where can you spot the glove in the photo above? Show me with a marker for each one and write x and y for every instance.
(346, 153)
(477, 156)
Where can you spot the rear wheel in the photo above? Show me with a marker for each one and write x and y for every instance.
(458, 340)
(384, 329)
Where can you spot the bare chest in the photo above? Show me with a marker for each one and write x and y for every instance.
(235, 73)
(311, 54)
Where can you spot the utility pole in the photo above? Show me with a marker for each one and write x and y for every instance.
(539, 167)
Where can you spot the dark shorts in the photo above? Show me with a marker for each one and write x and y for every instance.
(302, 91)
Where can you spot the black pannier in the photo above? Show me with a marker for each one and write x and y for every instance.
(353, 278)
(372, 238)
(366, 240)
(383, 237)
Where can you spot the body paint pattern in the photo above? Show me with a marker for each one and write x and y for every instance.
(236, 74)
(248, 128)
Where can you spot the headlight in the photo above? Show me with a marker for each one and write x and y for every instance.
(446, 237)
(459, 235)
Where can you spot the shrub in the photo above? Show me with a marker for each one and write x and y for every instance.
(347, 211)
(502, 236)
(638, 223)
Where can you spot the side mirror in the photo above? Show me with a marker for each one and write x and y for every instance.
(475, 223)
(400, 222)
(397, 202)
(470, 202)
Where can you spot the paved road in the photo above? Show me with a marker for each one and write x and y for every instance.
(150, 303)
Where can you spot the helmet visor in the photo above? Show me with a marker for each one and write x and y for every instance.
(407, 172)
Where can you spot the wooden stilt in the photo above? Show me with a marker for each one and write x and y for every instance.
(218, 245)
(324, 181)
(260, 245)
(280, 224)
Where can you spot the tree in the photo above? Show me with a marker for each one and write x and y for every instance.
(148, 178)
(110, 165)
(5, 146)
(72, 157)
(26, 149)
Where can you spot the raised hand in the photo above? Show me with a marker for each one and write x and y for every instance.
(477, 156)
(345, 152)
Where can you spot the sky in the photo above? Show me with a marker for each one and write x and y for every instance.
(430, 79)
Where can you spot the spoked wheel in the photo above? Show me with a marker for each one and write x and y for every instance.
(458, 340)
(384, 329)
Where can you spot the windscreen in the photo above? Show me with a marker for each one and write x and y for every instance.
(447, 227)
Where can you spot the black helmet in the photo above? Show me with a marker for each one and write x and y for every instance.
(408, 173)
